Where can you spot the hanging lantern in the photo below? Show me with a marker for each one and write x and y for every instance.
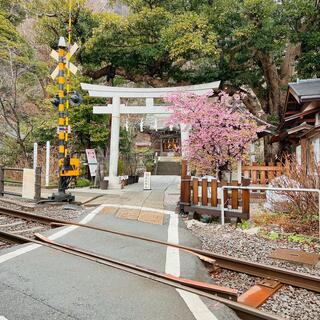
(171, 127)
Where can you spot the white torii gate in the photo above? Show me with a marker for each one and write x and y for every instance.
(116, 109)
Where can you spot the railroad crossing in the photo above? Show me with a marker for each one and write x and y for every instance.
(40, 283)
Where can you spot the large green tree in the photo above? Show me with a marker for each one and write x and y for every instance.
(257, 46)
(20, 90)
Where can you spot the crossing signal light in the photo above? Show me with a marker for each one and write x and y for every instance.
(55, 101)
(75, 99)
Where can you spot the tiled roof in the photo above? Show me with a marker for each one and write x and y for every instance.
(306, 89)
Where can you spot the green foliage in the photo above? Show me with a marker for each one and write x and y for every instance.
(88, 130)
(273, 235)
(10, 40)
(189, 37)
(20, 94)
(82, 182)
(54, 18)
(160, 42)
(15, 10)
(121, 167)
(245, 224)
(299, 238)
(273, 119)
(148, 158)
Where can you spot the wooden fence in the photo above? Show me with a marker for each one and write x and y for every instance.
(202, 196)
(263, 173)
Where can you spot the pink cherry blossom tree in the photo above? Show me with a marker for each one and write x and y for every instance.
(220, 133)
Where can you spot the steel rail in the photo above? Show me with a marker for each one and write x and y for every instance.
(282, 275)
(243, 311)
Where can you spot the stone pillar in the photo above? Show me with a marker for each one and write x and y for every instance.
(114, 144)
(184, 137)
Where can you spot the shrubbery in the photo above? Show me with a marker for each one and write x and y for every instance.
(82, 182)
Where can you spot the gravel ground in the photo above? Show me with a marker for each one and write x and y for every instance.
(288, 302)
(294, 303)
(54, 211)
(237, 243)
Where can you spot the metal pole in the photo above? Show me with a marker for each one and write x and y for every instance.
(222, 205)
(35, 155)
(47, 163)
(268, 189)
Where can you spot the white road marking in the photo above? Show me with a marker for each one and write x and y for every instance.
(3, 318)
(56, 235)
(197, 307)
(140, 208)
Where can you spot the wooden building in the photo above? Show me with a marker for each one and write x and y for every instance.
(299, 131)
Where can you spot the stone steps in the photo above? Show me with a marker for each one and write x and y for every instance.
(168, 168)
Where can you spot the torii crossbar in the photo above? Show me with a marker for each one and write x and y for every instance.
(116, 109)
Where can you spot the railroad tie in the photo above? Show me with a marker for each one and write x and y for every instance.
(27, 230)
(259, 293)
(13, 224)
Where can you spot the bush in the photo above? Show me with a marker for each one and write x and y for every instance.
(302, 207)
(82, 182)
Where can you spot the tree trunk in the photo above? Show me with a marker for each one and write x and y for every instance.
(272, 79)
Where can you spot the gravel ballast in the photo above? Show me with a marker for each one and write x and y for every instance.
(27, 228)
(289, 302)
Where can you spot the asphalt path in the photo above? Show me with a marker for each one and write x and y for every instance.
(47, 284)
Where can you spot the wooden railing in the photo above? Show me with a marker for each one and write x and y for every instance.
(200, 195)
(264, 173)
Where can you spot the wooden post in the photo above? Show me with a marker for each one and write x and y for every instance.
(185, 191)
(204, 193)
(195, 198)
(234, 195)
(214, 193)
(254, 174)
(246, 198)
(279, 169)
(263, 174)
(1, 181)
(304, 155)
(287, 168)
(271, 171)
(225, 194)
(37, 188)
(184, 168)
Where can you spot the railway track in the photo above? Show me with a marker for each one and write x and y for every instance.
(23, 226)
(274, 277)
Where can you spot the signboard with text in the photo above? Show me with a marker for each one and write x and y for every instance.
(147, 181)
(92, 161)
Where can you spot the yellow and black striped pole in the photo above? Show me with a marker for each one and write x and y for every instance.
(62, 117)
(68, 80)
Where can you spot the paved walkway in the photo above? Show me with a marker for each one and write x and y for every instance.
(41, 283)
